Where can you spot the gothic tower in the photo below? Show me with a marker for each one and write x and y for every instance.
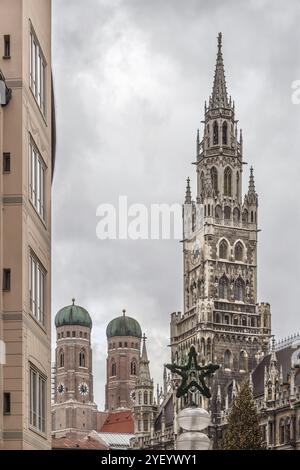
(144, 408)
(74, 410)
(221, 315)
(123, 352)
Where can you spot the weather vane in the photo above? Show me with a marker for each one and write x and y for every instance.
(193, 376)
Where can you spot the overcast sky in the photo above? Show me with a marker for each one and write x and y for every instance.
(131, 78)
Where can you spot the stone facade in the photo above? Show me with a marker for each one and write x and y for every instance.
(73, 410)
(27, 139)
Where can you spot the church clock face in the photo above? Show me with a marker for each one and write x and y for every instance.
(132, 396)
(83, 389)
(61, 388)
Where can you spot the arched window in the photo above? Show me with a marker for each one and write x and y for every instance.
(243, 360)
(133, 367)
(235, 320)
(214, 179)
(223, 250)
(238, 252)
(236, 214)
(227, 182)
(202, 182)
(237, 184)
(253, 321)
(227, 213)
(239, 289)
(145, 398)
(151, 398)
(61, 359)
(223, 287)
(218, 212)
(252, 217)
(224, 133)
(227, 359)
(215, 133)
(244, 321)
(287, 430)
(226, 319)
(82, 359)
(281, 432)
(140, 398)
(245, 216)
(218, 318)
(113, 368)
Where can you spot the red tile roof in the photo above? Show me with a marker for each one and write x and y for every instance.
(87, 443)
(119, 422)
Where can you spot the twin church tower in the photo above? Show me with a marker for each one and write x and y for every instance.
(221, 315)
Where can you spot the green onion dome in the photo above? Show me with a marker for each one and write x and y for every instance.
(73, 315)
(123, 326)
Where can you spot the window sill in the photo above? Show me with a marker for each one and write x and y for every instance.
(36, 431)
(43, 328)
(6, 57)
(39, 216)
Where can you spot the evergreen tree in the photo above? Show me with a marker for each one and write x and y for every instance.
(243, 431)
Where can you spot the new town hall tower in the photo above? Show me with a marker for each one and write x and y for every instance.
(221, 315)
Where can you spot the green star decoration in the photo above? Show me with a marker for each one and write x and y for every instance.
(193, 375)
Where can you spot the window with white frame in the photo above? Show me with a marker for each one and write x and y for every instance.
(37, 179)
(37, 400)
(37, 289)
(37, 72)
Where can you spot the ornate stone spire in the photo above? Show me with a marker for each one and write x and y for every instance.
(219, 98)
(251, 182)
(144, 372)
(273, 359)
(188, 194)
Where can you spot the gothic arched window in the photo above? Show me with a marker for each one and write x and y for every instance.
(237, 184)
(133, 367)
(113, 368)
(145, 398)
(239, 251)
(202, 183)
(243, 360)
(236, 214)
(281, 432)
(214, 179)
(239, 289)
(224, 133)
(218, 212)
(140, 398)
(227, 182)
(223, 250)
(245, 216)
(223, 287)
(82, 359)
(227, 213)
(61, 359)
(215, 133)
(227, 359)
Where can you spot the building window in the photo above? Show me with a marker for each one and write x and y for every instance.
(223, 287)
(215, 133)
(214, 179)
(73, 334)
(80, 334)
(61, 359)
(281, 432)
(227, 213)
(6, 284)
(37, 395)
(6, 54)
(243, 360)
(146, 425)
(6, 403)
(58, 335)
(120, 345)
(126, 345)
(227, 359)
(37, 289)
(140, 398)
(6, 163)
(113, 368)
(227, 182)
(238, 252)
(37, 73)
(85, 335)
(224, 133)
(139, 425)
(132, 345)
(223, 250)
(133, 367)
(62, 334)
(68, 334)
(145, 398)
(37, 171)
(239, 289)
(245, 216)
(82, 362)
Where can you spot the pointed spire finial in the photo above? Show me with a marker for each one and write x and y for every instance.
(124, 312)
(219, 43)
(219, 98)
(188, 194)
(73, 301)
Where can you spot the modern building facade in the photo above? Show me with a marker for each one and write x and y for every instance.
(27, 145)
(74, 412)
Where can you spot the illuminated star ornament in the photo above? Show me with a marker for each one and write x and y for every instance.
(193, 375)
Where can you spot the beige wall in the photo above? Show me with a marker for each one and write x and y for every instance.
(22, 229)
